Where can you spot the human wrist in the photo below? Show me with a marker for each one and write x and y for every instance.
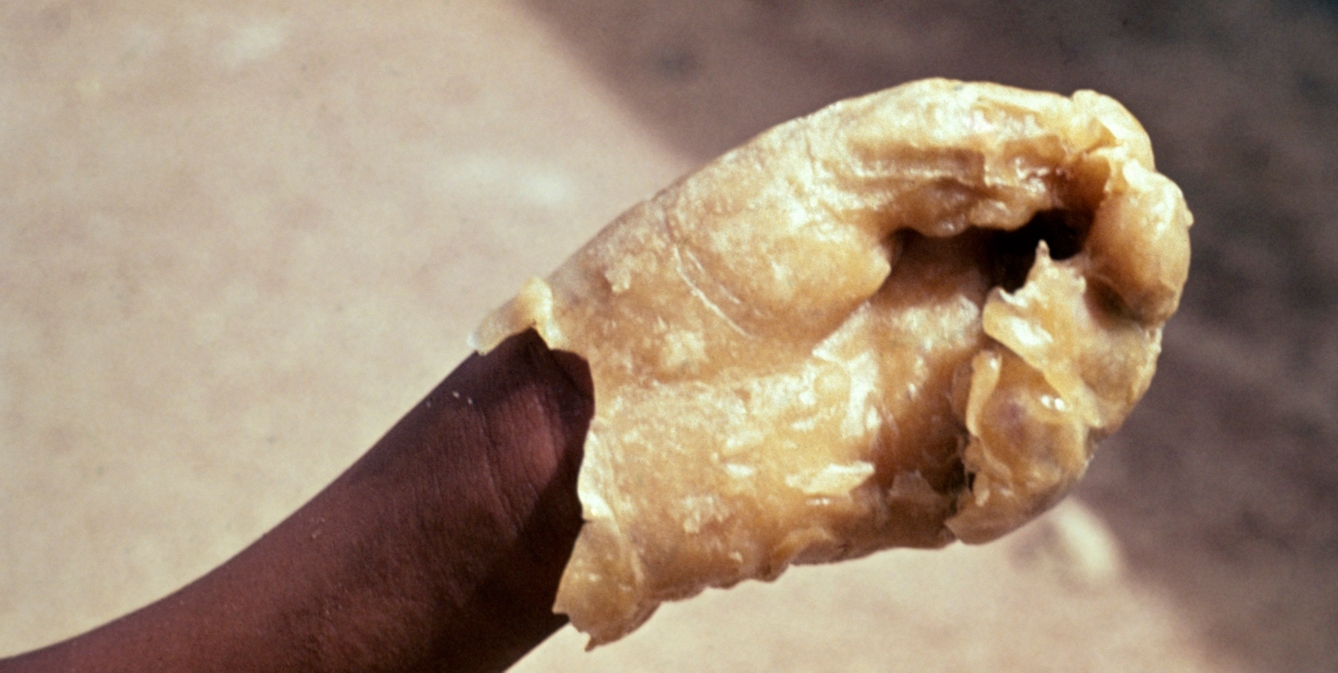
(532, 407)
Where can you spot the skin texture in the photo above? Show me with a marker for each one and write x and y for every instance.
(439, 550)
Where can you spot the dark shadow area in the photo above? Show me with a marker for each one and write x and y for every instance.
(1223, 486)
(1013, 253)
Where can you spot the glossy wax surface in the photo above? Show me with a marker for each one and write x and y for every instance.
(850, 334)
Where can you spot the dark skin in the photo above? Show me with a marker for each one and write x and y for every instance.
(439, 550)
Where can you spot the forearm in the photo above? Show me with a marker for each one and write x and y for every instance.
(439, 550)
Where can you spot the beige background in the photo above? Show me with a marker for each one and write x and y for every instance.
(239, 239)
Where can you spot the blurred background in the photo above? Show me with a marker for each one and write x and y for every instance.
(238, 240)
